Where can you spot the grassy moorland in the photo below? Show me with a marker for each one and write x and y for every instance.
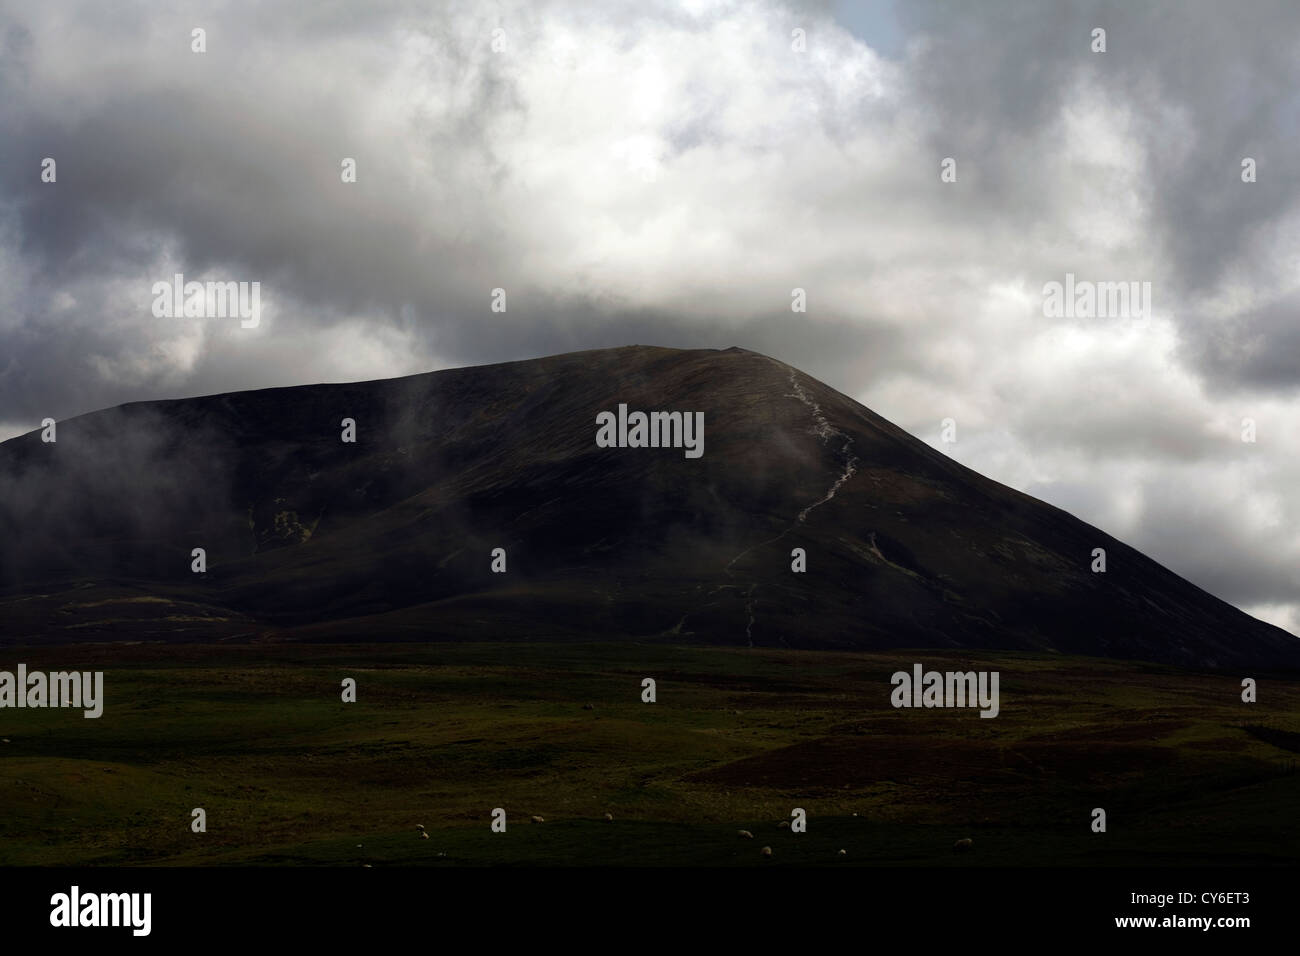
(441, 734)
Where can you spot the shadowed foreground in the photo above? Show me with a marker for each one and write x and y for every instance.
(442, 734)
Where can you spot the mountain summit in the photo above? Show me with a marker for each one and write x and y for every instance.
(394, 536)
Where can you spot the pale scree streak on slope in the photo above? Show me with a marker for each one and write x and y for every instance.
(824, 430)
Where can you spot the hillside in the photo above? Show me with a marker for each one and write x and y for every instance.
(390, 538)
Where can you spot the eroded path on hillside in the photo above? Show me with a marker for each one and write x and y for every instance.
(828, 433)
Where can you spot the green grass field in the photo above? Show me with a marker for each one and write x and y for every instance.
(258, 736)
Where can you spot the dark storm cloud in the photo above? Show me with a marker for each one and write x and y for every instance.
(1257, 350)
(1208, 84)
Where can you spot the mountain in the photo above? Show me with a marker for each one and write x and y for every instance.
(390, 537)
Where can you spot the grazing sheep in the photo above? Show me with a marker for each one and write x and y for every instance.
(609, 816)
(745, 833)
(423, 835)
(419, 826)
(963, 844)
(537, 819)
(841, 853)
(766, 851)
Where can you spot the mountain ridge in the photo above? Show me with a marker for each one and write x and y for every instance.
(390, 538)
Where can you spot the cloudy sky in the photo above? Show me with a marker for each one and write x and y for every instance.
(666, 173)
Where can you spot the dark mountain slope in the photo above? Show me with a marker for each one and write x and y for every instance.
(308, 537)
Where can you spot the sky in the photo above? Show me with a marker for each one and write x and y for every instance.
(666, 174)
